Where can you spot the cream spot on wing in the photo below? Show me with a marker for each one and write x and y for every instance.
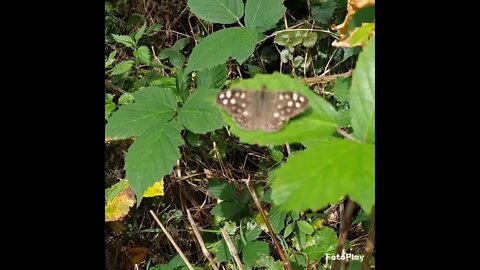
(222, 96)
(295, 96)
(233, 101)
(225, 101)
(288, 110)
(244, 105)
(297, 104)
(245, 113)
(279, 106)
(237, 94)
(228, 93)
(302, 99)
(276, 114)
(280, 96)
(287, 96)
(242, 96)
(290, 103)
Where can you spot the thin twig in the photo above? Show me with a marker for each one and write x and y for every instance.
(112, 86)
(346, 220)
(277, 245)
(326, 78)
(370, 243)
(232, 249)
(170, 238)
(200, 240)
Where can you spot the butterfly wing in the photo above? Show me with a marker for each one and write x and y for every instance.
(242, 105)
(278, 107)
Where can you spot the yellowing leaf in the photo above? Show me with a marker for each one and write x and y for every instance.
(353, 6)
(358, 37)
(119, 198)
(155, 190)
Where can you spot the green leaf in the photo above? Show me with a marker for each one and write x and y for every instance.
(325, 243)
(153, 29)
(253, 251)
(139, 33)
(342, 89)
(153, 105)
(122, 67)
(355, 265)
(180, 44)
(142, 54)
(183, 82)
(252, 232)
(277, 219)
(236, 42)
(344, 117)
(113, 191)
(320, 119)
(322, 11)
(360, 36)
(269, 263)
(362, 94)
(126, 98)
(226, 209)
(325, 172)
(125, 40)
(111, 58)
(152, 156)
(288, 230)
(217, 11)
(305, 227)
(199, 114)
(109, 108)
(212, 77)
(223, 254)
(263, 15)
(176, 58)
(310, 40)
(222, 189)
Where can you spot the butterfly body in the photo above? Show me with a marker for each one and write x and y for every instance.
(265, 110)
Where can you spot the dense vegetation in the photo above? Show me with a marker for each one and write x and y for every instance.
(187, 187)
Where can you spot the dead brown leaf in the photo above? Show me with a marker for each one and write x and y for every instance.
(353, 6)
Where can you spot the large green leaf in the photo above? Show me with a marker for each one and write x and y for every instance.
(217, 11)
(263, 15)
(215, 49)
(153, 105)
(152, 156)
(277, 219)
(362, 94)
(318, 120)
(322, 11)
(253, 251)
(325, 172)
(199, 114)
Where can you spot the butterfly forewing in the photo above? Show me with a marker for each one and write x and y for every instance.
(267, 110)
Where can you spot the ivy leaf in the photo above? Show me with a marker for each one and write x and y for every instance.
(263, 15)
(217, 11)
(362, 94)
(122, 67)
(236, 42)
(199, 114)
(152, 105)
(325, 172)
(152, 156)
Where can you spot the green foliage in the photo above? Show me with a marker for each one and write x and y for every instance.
(322, 10)
(253, 251)
(235, 42)
(325, 243)
(217, 11)
(122, 67)
(263, 15)
(325, 172)
(362, 95)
